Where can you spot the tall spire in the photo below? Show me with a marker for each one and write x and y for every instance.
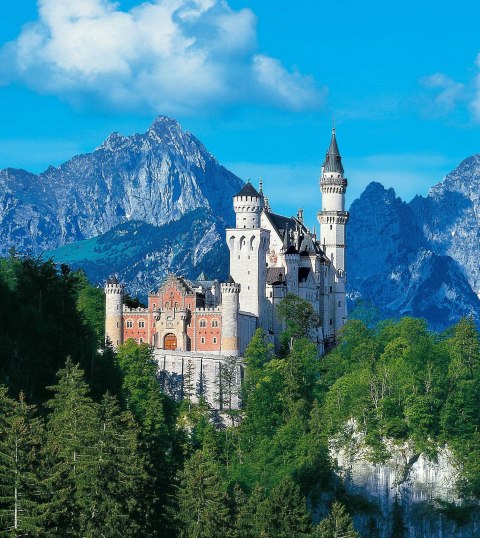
(333, 159)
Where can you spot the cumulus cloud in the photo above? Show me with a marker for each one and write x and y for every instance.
(161, 55)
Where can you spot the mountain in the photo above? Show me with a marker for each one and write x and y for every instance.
(156, 178)
(142, 255)
(419, 258)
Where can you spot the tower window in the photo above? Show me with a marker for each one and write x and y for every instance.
(331, 227)
(141, 324)
(202, 340)
(339, 304)
(215, 323)
(331, 322)
(214, 340)
(203, 323)
(331, 289)
(129, 324)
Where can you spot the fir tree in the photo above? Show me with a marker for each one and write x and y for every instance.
(337, 525)
(69, 452)
(284, 513)
(203, 503)
(20, 439)
(109, 497)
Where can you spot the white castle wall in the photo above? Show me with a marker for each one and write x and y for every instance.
(177, 369)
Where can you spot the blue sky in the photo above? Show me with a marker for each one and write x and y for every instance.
(258, 82)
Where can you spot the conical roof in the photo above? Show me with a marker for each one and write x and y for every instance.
(333, 160)
(248, 190)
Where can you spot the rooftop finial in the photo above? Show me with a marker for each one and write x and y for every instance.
(333, 124)
(260, 184)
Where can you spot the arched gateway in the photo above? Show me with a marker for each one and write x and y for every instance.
(170, 342)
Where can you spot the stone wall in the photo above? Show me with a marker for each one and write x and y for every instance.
(196, 374)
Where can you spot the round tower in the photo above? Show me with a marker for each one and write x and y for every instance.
(248, 205)
(230, 308)
(292, 261)
(114, 292)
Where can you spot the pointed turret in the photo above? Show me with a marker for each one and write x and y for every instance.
(333, 159)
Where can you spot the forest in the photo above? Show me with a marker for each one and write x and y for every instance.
(89, 446)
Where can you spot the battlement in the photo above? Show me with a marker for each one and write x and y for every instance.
(211, 310)
(135, 310)
(230, 287)
(114, 288)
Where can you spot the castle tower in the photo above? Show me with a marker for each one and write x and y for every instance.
(248, 245)
(333, 220)
(292, 261)
(114, 312)
(230, 308)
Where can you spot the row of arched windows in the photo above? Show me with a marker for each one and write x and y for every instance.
(203, 323)
(129, 324)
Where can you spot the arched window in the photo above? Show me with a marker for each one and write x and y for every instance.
(141, 324)
(203, 323)
(214, 322)
(129, 324)
(214, 340)
(252, 243)
(202, 340)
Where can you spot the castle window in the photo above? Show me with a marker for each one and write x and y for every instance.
(331, 227)
(141, 340)
(331, 322)
(203, 323)
(331, 289)
(129, 324)
(176, 304)
(339, 304)
(214, 340)
(118, 324)
(202, 340)
(167, 305)
(154, 306)
(215, 323)
(141, 324)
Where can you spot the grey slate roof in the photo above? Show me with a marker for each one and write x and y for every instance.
(333, 160)
(275, 275)
(248, 190)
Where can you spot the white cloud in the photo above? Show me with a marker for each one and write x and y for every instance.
(449, 93)
(162, 55)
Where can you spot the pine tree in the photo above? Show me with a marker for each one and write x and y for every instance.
(246, 512)
(337, 525)
(109, 496)
(20, 438)
(69, 452)
(159, 441)
(284, 513)
(203, 503)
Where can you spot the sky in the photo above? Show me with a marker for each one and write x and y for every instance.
(260, 83)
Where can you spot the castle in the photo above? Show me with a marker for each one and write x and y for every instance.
(195, 325)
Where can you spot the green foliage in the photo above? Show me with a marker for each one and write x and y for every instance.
(298, 315)
(203, 505)
(20, 440)
(160, 442)
(284, 513)
(338, 524)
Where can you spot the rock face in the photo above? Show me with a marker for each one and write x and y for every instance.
(142, 255)
(408, 491)
(156, 177)
(419, 259)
